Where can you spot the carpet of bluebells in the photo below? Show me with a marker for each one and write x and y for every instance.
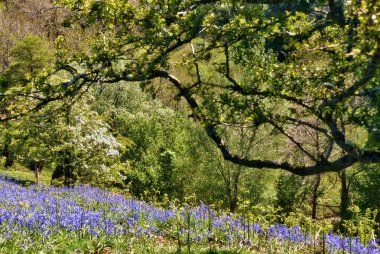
(46, 219)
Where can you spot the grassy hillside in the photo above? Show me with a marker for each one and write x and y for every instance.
(25, 175)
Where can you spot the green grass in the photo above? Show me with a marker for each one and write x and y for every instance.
(20, 172)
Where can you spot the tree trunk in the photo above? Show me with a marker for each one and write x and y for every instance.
(235, 191)
(344, 196)
(37, 174)
(233, 202)
(69, 171)
(36, 167)
(7, 153)
(9, 161)
(315, 196)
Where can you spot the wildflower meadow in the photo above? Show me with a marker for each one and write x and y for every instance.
(42, 219)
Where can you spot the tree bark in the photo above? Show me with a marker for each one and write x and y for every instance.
(37, 174)
(344, 196)
(234, 200)
(315, 196)
(7, 153)
(36, 167)
(9, 161)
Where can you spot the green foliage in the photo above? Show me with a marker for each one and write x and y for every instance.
(291, 192)
(251, 82)
(29, 57)
(294, 77)
(87, 149)
(259, 187)
(161, 143)
(362, 224)
(234, 63)
(166, 181)
(79, 141)
(366, 186)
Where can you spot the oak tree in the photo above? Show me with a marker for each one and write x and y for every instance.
(271, 66)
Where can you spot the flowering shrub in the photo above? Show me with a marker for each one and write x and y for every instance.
(40, 218)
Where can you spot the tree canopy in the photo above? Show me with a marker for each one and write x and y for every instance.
(306, 72)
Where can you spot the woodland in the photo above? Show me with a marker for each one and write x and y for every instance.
(265, 109)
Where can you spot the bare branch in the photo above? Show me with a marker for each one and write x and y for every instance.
(297, 144)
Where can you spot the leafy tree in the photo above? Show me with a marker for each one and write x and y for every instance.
(161, 154)
(31, 143)
(77, 145)
(84, 149)
(323, 80)
(166, 181)
(27, 59)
